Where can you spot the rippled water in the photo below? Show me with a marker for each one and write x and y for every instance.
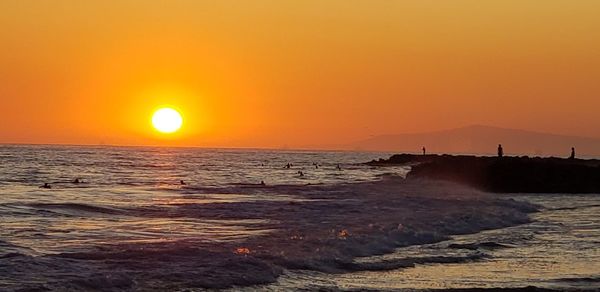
(560, 249)
(69, 217)
(131, 222)
(163, 167)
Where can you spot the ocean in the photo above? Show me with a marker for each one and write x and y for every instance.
(558, 250)
(147, 218)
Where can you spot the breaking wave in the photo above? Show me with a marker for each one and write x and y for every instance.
(251, 235)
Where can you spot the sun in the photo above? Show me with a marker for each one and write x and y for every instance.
(167, 120)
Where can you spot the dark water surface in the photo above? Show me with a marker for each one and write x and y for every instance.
(71, 216)
(131, 214)
(559, 250)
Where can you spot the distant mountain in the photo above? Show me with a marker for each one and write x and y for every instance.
(479, 139)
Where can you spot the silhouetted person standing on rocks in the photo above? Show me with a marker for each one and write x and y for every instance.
(572, 153)
(500, 151)
(424, 150)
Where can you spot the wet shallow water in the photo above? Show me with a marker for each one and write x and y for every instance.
(559, 250)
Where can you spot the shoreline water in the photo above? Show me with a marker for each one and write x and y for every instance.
(131, 226)
(325, 230)
(556, 251)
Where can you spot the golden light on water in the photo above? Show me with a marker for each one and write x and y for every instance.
(167, 120)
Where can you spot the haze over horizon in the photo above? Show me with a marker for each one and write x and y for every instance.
(480, 139)
(472, 139)
(268, 74)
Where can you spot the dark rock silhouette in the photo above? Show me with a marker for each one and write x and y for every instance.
(506, 175)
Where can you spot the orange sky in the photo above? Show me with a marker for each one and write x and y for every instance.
(294, 73)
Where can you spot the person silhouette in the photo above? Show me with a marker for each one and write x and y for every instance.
(181, 182)
(572, 153)
(424, 150)
(500, 151)
(46, 186)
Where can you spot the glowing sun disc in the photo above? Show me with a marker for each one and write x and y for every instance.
(167, 120)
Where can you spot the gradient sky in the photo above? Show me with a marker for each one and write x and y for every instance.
(294, 73)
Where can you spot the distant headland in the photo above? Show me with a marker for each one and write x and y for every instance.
(505, 174)
(478, 139)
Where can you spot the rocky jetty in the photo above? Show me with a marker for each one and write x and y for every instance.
(507, 174)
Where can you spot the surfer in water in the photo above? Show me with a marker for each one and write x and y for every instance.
(46, 186)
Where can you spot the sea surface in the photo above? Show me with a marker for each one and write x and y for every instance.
(559, 250)
(70, 216)
(135, 196)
